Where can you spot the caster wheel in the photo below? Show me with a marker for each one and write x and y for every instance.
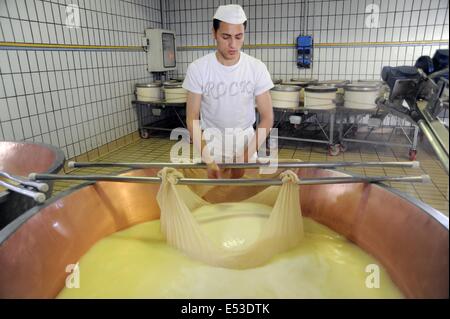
(343, 147)
(144, 133)
(412, 155)
(334, 150)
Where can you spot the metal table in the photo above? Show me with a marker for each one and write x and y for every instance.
(166, 124)
(344, 116)
(311, 114)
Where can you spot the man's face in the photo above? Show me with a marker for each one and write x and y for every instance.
(230, 38)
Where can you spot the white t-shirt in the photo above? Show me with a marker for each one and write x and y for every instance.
(228, 92)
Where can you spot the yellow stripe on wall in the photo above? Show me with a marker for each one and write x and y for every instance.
(68, 46)
(331, 44)
(209, 47)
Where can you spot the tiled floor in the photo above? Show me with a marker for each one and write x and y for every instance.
(436, 194)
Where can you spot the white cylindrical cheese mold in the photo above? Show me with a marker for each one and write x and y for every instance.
(361, 96)
(320, 97)
(285, 96)
(148, 92)
(174, 92)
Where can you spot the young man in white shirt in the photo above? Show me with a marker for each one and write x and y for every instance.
(223, 87)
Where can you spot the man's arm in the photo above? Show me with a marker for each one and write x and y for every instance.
(192, 120)
(264, 106)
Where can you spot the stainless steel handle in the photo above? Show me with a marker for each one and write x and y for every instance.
(38, 197)
(39, 186)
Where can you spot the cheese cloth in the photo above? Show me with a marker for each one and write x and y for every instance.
(282, 230)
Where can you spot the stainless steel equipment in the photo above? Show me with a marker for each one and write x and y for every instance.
(422, 98)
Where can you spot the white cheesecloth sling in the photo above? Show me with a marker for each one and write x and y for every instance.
(282, 230)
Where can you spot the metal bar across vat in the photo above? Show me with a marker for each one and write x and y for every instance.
(409, 164)
(235, 182)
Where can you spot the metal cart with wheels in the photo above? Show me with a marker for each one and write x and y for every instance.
(148, 111)
(310, 117)
(352, 119)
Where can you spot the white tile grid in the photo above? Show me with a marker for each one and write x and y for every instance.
(110, 28)
(80, 105)
(329, 22)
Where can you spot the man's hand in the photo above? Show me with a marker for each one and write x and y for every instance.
(237, 172)
(213, 171)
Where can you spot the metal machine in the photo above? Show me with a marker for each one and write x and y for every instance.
(423, 98)
(161, 50)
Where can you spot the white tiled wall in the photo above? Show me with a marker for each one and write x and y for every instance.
(329, 22)
(74, 99)
(80, 99)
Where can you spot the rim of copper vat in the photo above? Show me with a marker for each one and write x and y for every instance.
(56, 165)
(416, 276)
(59, 154)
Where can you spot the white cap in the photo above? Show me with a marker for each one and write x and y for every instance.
(231, 13)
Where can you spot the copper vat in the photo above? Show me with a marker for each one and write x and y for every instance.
(408, 237)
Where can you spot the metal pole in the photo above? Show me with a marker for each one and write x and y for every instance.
(416, 134)
(412, 164)
(236, 182)
(438, 149)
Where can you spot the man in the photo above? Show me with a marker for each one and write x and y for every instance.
(223, 87)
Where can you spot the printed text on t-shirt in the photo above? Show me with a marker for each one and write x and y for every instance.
(217, 90)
